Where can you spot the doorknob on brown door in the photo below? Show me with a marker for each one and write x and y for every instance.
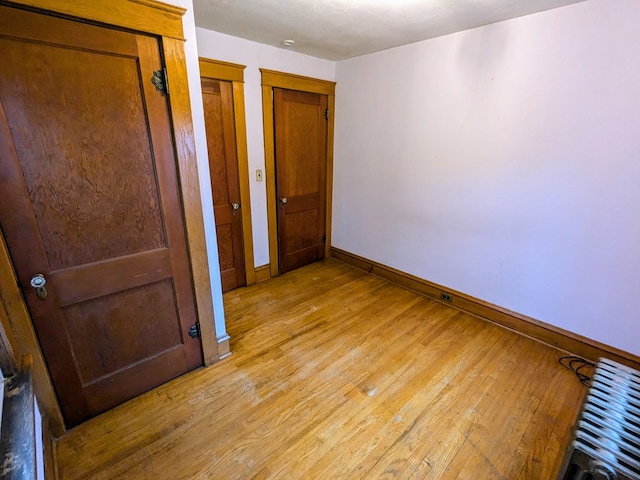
(234, 208)
(38, 282)
(283, 200)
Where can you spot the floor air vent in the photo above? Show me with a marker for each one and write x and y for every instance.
(606, 438)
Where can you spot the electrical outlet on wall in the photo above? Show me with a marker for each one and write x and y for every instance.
(446, 297)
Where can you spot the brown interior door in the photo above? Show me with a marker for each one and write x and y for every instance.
(301, 144)
(223, 165)
(90, 201)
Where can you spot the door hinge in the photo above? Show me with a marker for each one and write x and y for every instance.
(325, 114)
(160, 81)
(194, 330)
(324, 239)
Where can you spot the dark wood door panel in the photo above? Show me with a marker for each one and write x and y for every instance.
(86, 282)
(223, 166)
(302, 257)
(73, 174)
(94, 205)
(145, 316)
(103, 394)
(218, 142)
(300, 203)
(300, 142)
(226, 257)
(301, 245)
(224, 215)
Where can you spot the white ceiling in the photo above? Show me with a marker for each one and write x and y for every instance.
(339, 29)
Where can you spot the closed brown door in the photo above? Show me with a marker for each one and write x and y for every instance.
(300, 151)
(223, 165)
(90, 201)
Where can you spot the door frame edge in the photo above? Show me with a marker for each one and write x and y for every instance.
(273, 79)
(145, 16)
(191, 196)
(17, 326)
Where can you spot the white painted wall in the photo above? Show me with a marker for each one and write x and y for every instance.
(504, 162)
(218, 46)
(193, 72)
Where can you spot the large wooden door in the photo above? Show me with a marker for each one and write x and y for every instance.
(223, 165)
(300, 156)
(90, 201)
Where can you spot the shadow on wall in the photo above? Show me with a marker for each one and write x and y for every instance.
(480, 59)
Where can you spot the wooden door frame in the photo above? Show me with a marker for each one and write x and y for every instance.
(272, 79)
(234, 73)
(164, 21)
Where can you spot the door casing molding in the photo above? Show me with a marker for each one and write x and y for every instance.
(234, 73)
(272, 79)
(164, 21)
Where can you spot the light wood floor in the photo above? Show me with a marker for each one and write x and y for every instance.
(336, 374)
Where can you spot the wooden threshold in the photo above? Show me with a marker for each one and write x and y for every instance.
(543, 332)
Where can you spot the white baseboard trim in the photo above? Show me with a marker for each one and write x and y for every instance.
(224, 347)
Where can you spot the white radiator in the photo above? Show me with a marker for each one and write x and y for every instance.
(606, 438)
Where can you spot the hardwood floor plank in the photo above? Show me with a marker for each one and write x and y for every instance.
(452, 393)
(338, 374)
(489, 436)
(549, 428)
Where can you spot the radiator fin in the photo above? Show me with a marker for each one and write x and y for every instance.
(606, 439)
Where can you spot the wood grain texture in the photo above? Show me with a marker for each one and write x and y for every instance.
(141, 15)
(73, 172)
(217, 69)
(144, 317)
(216, 141)
(301, 83)
(174, 56)
(243, 176)
(263, 273)
(270, 80)
(49, 455)
(543, 332)
(300, 155)
(17, 325)
(225, 251)
(79, 284)
(340, 374)
(95, 189)
(8, 345)
(219, 119)
(14, 204)
(234, 73)
(157, 18)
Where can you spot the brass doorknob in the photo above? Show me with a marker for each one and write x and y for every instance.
(234, 208)
(283, 200)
